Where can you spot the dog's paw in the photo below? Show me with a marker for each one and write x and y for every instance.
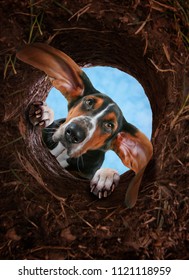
(104, 182)
(40, 114)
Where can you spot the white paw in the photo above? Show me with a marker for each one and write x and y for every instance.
(104, 182)
(40, 114)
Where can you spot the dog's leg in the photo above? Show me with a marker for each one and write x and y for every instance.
(40, 114)
(104, 182)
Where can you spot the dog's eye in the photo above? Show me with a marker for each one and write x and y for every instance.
(89, 103)
(109, 126)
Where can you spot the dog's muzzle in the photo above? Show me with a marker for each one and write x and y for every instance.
(74, 134)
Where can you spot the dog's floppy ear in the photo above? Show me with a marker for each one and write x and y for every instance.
(64, 73)
(135, 151)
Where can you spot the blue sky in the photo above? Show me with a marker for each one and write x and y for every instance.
(125, 91)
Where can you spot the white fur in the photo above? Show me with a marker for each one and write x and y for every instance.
(104, 182)
(61, 154)
(57, 150)
(47, 115)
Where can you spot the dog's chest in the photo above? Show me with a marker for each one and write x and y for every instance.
(86, 165)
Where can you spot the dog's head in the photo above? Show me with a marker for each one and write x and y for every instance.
(91, 124)
(94, 120)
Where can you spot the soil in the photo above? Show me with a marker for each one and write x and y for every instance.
(46, 213)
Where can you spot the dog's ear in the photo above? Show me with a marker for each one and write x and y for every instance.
(135, 151)
(64, 73)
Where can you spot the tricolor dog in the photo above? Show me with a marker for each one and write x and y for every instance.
(94, 125)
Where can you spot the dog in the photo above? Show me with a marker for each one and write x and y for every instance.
(94, 124)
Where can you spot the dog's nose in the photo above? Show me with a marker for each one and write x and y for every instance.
(74, 133)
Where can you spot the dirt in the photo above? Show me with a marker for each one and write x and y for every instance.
(46, 213)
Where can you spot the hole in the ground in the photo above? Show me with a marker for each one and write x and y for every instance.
(125, 90)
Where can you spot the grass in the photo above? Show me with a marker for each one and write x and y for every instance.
(36, 21)
(181, 17)
(178, 10)
(16, 92)
(35, 26)
(11, 142)
(18, 178)
(10, 61)
(184, 105)
(63, 7)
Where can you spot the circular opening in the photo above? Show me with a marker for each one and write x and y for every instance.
(125, 90)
